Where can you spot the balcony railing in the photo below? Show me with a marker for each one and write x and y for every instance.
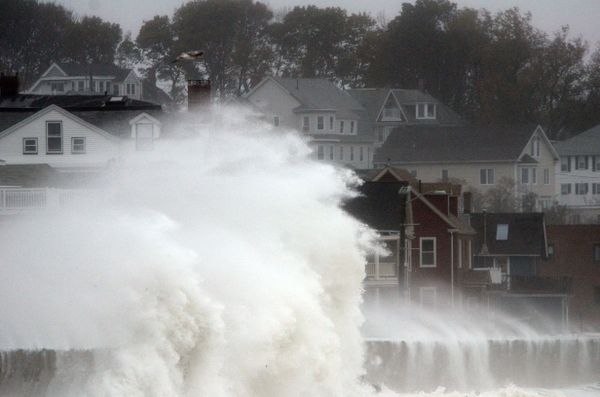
(534, 284)
(382, 271)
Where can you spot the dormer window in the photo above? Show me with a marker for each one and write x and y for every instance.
(426, 110)
(534, 149)
(391, 111)
(352, 127)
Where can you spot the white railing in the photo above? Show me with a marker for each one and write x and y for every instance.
(381, 271)
(16, 200)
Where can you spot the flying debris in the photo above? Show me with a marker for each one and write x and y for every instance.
(188, 56)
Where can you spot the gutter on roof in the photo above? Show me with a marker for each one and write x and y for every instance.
(394, 162)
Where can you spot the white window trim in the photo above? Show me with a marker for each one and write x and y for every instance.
(434, 239)
(487, 176)
(62, 143)
(73, 151)
(37, 147)
(425, 116)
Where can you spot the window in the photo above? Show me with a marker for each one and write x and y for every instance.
(596, 163)
(425, 111)
(331, 123)
(54, 137)
(305, 123)
(361, 153)
(101, 86)
(428, 254)
(550, 251)
(341, 127)
(352, 127)
(428, 296)
(502, 232)
(565, 164)
(72, 86)
(486, 176)
(535, 147)
(595, 188)
(445, 175)
(276, 121)
(351, 153)
(413, 173)
(320, 152)
(78, 145)
(57, 87)
(581, 188)
(565, 189)
(144, 137)
(331, 152)
(546, 176)
(108, 87)
(341, 152)
(80, 85)
(528, 176)
(116, 89)
(320, 123)
(130, 89)
(581, 163)
(596, 252)
(30, 146)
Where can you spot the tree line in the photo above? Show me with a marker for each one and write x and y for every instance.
(490, 68)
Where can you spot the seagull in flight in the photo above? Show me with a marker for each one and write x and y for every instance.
(188, 56)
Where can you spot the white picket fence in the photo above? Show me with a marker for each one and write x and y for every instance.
(16, 200)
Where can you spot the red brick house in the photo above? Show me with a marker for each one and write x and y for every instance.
(574, 252)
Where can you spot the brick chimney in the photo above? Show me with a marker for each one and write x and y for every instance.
(199, 94)
(9, 85)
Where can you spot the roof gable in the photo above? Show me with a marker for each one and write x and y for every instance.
(391, 96)
(54, 70)
(64, 113)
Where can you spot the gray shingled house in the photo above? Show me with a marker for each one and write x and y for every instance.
(480, 158)
(332, 119)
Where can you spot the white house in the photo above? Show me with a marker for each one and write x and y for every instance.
(96, 79)
(75, 139)
(578, 176)
(332, 118)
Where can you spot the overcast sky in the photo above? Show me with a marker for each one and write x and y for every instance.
(549, 15)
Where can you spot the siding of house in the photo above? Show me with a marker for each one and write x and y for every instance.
(99, 149)
(272, 100)
(586, 206)
(547, 161)
(573, 247)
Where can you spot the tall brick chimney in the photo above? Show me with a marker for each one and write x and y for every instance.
(199, 95)
(9, 85)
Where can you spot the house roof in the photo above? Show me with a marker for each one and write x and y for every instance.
(320, 94)
(27, 102)
(78, 69)
(586, 143)
(381, 205)
(152, 93)
(526, 233)
(465, 143)
(373, 99)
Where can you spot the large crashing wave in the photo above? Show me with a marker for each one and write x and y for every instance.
(220, 265)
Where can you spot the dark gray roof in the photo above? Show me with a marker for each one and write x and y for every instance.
(78, 69)
(428, 144)
(320, 94)
(380, 205)
(152, 93)
(373, 100)
(586, 143)
(26, 102)
(526, 234)
(112, 117)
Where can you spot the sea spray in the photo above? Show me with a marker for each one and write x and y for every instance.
(217, 265)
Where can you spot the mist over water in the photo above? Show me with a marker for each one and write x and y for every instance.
(219, 265)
